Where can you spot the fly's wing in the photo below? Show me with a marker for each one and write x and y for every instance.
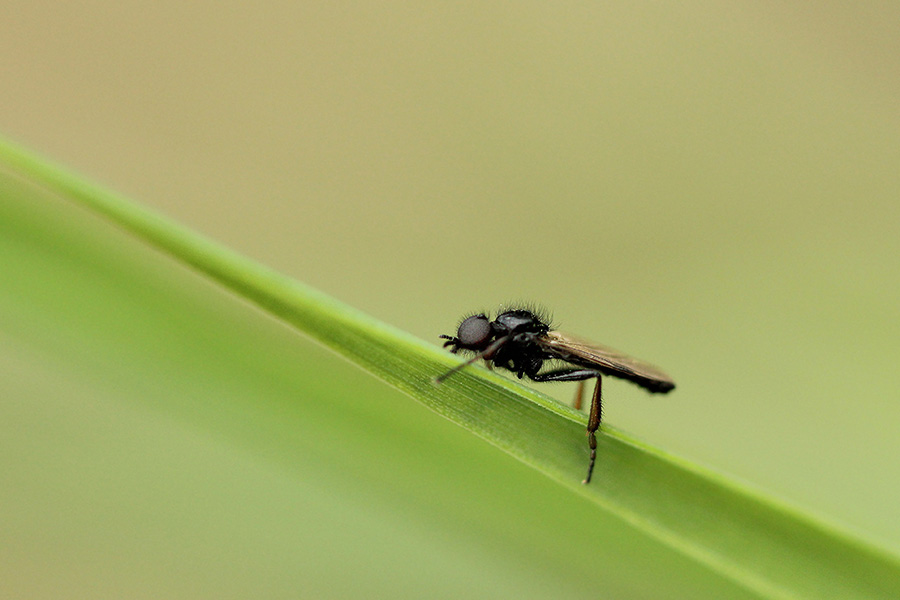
(606, 360)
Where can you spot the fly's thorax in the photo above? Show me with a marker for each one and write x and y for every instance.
(519, 321)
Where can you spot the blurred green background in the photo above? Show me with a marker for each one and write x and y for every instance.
(714, 188)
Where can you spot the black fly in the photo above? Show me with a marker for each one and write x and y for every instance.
(520, 341)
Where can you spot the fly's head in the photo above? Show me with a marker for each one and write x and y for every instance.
(474, 334)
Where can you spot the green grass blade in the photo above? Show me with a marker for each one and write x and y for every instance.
(770, 549)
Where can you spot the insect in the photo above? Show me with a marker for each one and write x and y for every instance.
(520, 341)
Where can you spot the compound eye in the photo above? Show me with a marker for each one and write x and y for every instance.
(474, 332)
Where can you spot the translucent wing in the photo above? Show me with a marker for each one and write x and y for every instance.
(606, 360)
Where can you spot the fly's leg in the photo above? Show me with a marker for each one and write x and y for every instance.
(593, 426)
(581, 375)
(579, 396)
(565, 375)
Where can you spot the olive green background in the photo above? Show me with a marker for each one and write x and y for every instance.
(714, 188)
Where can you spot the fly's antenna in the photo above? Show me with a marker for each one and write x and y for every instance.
(487, 352)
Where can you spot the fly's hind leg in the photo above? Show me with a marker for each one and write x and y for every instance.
(580, 375)
(592, 427)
